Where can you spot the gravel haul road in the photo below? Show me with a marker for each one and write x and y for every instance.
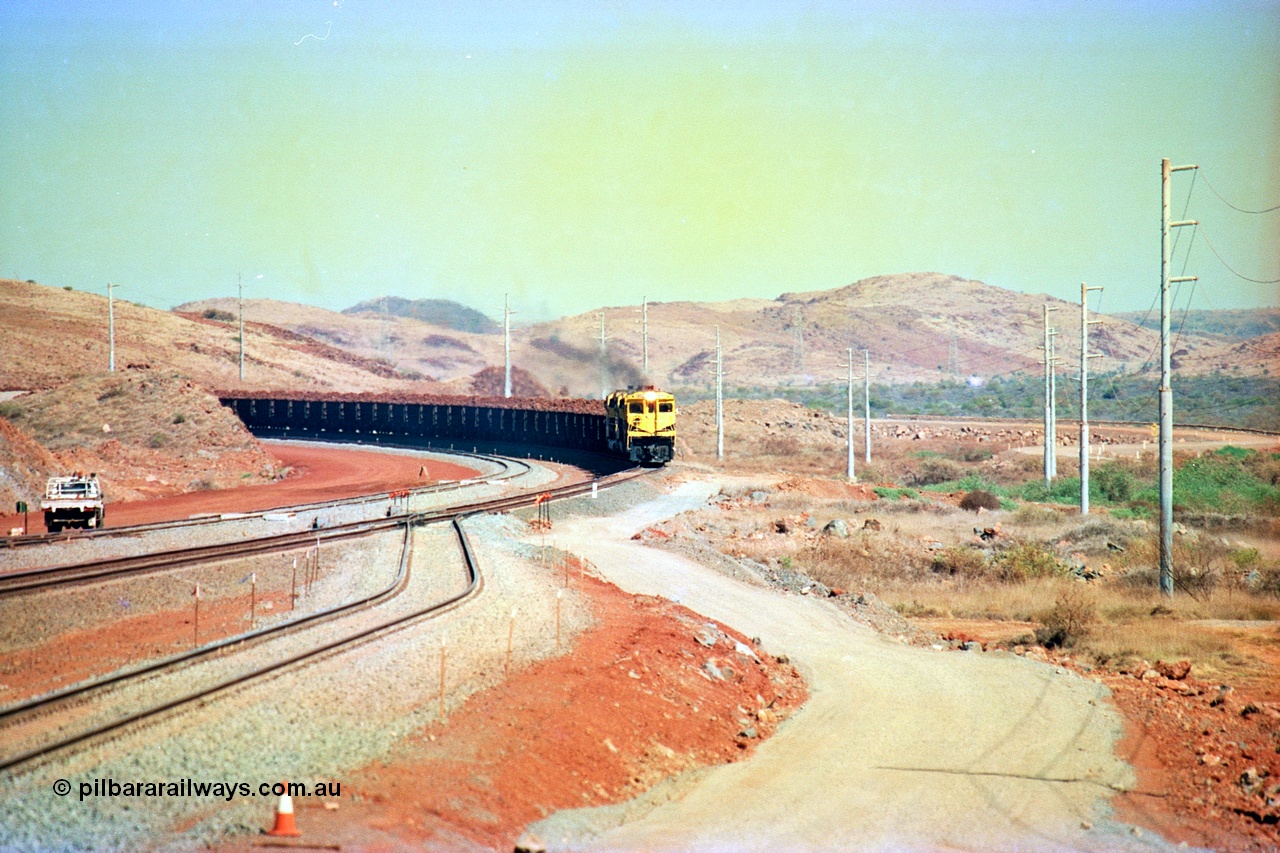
(898, 748)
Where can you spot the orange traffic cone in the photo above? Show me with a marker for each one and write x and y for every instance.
(284, 816)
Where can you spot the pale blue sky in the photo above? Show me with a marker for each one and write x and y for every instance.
(579, 154)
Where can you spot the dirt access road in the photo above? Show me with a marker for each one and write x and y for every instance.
(898, 748)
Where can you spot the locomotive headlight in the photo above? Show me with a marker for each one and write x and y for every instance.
(650, 396)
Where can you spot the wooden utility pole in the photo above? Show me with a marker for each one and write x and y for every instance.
(1166, 378)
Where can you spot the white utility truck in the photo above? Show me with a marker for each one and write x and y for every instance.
(74, 501)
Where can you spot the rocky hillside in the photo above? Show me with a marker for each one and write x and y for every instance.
(437, 312)
(144, 432)
(917, 326)
(25, 465)
(52, 335)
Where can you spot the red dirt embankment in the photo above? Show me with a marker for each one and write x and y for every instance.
(320, 473)
(628, 705)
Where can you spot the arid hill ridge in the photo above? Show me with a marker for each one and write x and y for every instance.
(916, 326)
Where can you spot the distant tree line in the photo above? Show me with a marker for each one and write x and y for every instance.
(1239, 401)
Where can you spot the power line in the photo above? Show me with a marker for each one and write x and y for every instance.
(1234, 207)
(1232, 271)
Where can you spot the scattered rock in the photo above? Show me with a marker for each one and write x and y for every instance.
(1223, 691)
(836, 527)
(972, 646)
(871, 524)
(1177, 670)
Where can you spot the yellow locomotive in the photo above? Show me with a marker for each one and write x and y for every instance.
(641, 425)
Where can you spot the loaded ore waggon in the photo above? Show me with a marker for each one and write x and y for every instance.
(74, 501)
(636, 424)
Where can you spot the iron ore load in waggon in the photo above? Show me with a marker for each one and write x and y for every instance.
(640, 424)
(502, 422)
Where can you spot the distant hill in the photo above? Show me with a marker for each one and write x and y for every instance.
(1235, 323)
(53, 335)
(437, 312)
(926, 327)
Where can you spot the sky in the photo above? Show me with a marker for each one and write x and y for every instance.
(579, 154)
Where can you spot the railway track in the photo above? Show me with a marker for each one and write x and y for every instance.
(510, 468)
(32, 711)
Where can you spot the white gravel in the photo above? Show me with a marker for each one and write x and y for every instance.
(313, 723)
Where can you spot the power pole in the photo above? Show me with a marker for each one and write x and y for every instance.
(848, 472)
(604, 389)
(1048, 396)
(1084, 395)
(797, 342)
(1166, 379)
(240, 289)
(719, 399)
(111, 326)
(644, 336)
(866, 401)
(1053, 402)
(506, 344)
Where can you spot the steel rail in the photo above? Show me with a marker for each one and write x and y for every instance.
(31, 580)
(212, 649)
(508, 471)
(44, 578)
(474, 585)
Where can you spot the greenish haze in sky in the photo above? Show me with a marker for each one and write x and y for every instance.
(579, 154)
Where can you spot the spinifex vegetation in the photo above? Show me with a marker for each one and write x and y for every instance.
(1217, 400)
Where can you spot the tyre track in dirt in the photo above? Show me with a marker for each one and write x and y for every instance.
(898, 748)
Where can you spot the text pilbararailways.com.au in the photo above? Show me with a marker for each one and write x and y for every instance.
(225, 790)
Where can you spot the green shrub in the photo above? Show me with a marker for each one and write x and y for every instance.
(960, 560)
(1025, 560)
(158, 440)
(12, 411)
(1112, 483)
(179, 418)
(1032, 514)
(935, 471)
(890, 493)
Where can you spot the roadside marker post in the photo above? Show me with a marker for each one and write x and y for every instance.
(195, 631)
(253, 599)
(293, 588)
